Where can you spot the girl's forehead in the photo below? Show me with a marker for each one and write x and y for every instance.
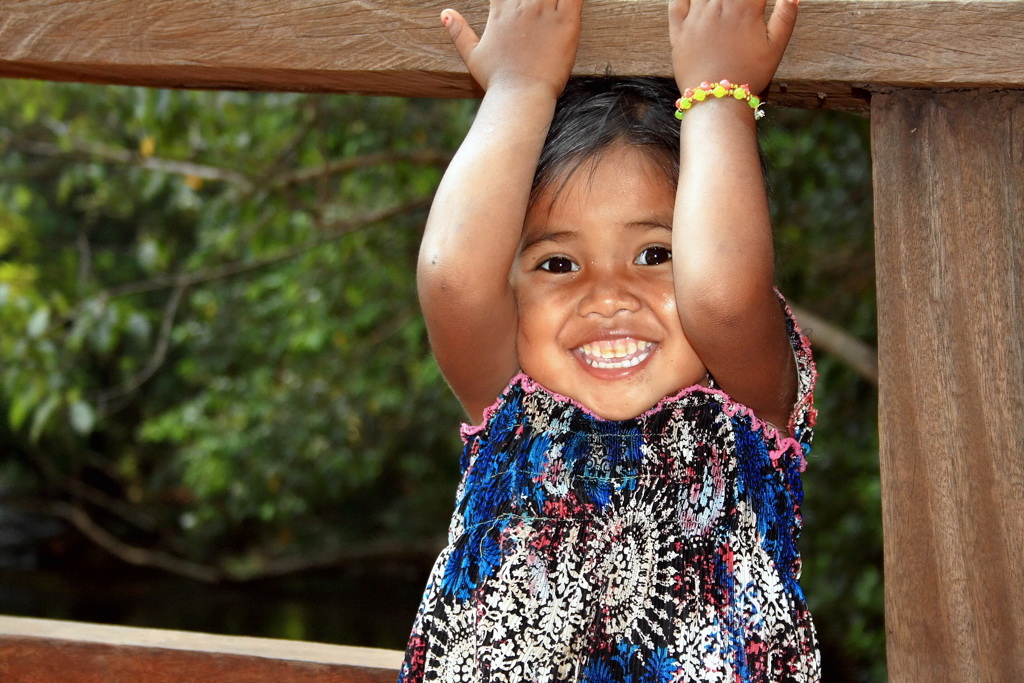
(578, 174)
(618, 166)
(624, 192)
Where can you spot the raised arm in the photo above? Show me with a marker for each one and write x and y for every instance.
(522, 60)
(722, 241)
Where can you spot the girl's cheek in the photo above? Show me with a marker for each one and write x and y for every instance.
(668, 302)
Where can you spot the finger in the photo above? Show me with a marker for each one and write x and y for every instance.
(575, 6)
(462, 34)
(678, 9)
(782, 22)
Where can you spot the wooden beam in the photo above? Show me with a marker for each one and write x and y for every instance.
(842, 48)
(70, 652)
(949, 220)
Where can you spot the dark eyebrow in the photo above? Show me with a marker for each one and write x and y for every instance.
(653, 223)
(564, 236)
(556, 236)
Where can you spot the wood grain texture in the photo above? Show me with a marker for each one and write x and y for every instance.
(37, 650)
(842, 49)
(949, 220)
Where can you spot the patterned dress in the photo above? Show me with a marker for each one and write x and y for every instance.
(661, 548)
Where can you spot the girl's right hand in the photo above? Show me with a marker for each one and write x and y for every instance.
(526, 43)
(715, 39)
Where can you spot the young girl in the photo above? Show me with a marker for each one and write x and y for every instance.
(629, 506)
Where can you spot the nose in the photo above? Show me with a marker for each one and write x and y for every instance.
(607, 295)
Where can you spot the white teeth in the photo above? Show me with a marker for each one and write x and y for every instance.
(615, 354)
(612, 365)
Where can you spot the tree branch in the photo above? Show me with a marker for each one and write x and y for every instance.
(302, 175)
(863, 358)
(91, 152)
(84, 151)
(78, 489)
(337, 230)
(139, 557)
(283, 160)
(241, 569)
(159, 354)
(381, 551)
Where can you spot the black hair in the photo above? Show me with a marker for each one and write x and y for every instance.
(595, 113)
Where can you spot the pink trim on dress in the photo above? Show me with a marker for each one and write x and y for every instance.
(729, 407)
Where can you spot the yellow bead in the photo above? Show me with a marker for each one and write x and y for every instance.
(699, 95)
(739, 94)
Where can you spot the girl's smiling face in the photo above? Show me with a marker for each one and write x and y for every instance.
(597, 317)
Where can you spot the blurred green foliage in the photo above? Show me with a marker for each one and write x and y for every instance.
(212, 350)
(819, 170)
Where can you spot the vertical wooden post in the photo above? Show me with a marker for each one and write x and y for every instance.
(949, 220)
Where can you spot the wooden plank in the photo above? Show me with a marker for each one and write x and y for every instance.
(841, 48)
(45, 650)
(949, 219)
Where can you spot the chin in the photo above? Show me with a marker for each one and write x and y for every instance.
(617, 412)
(618, 417)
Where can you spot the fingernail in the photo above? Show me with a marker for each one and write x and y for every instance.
(446, 18)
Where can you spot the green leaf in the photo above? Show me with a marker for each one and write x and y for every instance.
(38, 323)
(41, 417)
(83, 417)
(138, 326)
(22, 403)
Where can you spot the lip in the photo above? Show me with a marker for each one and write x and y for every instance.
(614, 357)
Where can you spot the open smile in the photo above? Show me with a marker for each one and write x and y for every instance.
(614, 354)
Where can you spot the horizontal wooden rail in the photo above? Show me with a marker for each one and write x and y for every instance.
(842, 50)
(45, 650)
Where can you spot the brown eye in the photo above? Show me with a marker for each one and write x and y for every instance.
(558, 264)
(654, 256)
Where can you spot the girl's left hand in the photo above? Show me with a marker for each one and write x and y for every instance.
(716, 39)
(525, 44)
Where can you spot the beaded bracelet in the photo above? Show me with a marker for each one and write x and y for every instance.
(722, 88)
